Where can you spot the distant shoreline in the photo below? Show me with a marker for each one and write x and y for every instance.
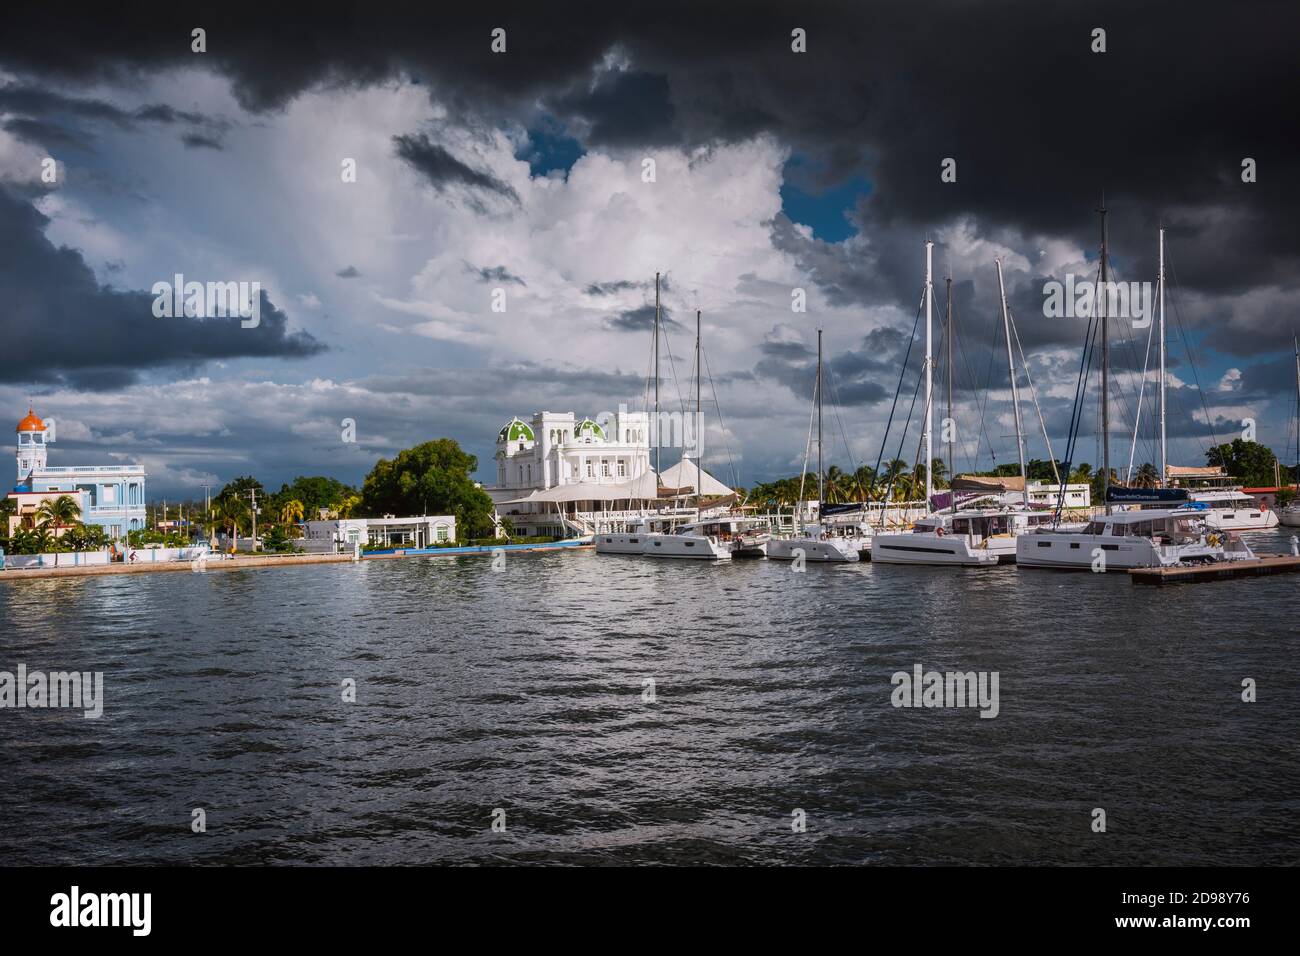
(240, 562)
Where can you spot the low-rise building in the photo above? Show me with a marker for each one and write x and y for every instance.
(111, 496)
(1077, 494)
(343, 534)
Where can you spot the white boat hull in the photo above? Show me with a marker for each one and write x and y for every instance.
(935, 549)
(621, 543)
(688, 546)
(1289, 517)
(1079, 551)
(829, 551)
(1241, 519)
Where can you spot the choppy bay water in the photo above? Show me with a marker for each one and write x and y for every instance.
(523, 690)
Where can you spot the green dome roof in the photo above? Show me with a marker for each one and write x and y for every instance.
(515, 430)
(587, 427)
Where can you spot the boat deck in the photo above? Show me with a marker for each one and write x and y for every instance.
(1219, 570)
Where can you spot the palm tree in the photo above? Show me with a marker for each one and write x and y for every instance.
(1147, 476)
(349, 505)
(864, 480)
(62, 512)
(231, 513)
(835, 485)
(291, 512)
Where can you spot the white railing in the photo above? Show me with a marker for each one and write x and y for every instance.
(96, 469)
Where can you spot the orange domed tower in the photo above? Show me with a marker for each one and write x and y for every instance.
(32, 436)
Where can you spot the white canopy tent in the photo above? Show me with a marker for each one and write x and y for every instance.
(643, 488)
(683, 476)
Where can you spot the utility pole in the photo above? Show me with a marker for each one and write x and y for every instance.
(252, 494)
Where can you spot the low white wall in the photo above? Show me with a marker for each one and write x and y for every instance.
(147, 555)
(65, 559)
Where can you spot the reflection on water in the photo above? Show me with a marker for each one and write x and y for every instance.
(523, 690)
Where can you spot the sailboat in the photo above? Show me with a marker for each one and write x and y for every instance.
(1145, 538)
(969, 537)
(633, 540)
(815, 543)
(715, 538)
(1290, 515)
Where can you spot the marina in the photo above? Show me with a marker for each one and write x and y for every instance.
(772, 692)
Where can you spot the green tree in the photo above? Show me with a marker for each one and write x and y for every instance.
(1147, 476)
(240, 487)
(432, 478)
(1248, 461)
(315, 492)
(62, 512)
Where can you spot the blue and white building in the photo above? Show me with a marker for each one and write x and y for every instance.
(111, 496)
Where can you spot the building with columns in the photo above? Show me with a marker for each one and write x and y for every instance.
(111, 496)
(558, 474)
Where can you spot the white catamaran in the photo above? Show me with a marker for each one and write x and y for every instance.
(815, 542)
(719, 537)
(1139, 538)
(971, 537)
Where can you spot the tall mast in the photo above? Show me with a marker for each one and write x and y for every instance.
(1015, 389)
(699, 419)
(1164, 463)
(658, 470)
(1296, 343)
(821, 491)
(951, 426)
(929, 384)
(1102, 296)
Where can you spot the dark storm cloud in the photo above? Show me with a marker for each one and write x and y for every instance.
(441, 168)
(199, 141)
(624, 109)
(45, 134)
(49, 119)
(641, 319)
(860, 376)
(494, 274)
(1038, 123)
(615, 286)
(348, 272)
(61, 326)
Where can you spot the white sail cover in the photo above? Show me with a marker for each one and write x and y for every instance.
(682, 476)
(644, 487)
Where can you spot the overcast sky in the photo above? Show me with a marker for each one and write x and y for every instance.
(522, 171)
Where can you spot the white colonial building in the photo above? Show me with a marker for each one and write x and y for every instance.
(559, 475)
(111, 496)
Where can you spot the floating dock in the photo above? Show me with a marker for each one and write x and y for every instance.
(1218, 571)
